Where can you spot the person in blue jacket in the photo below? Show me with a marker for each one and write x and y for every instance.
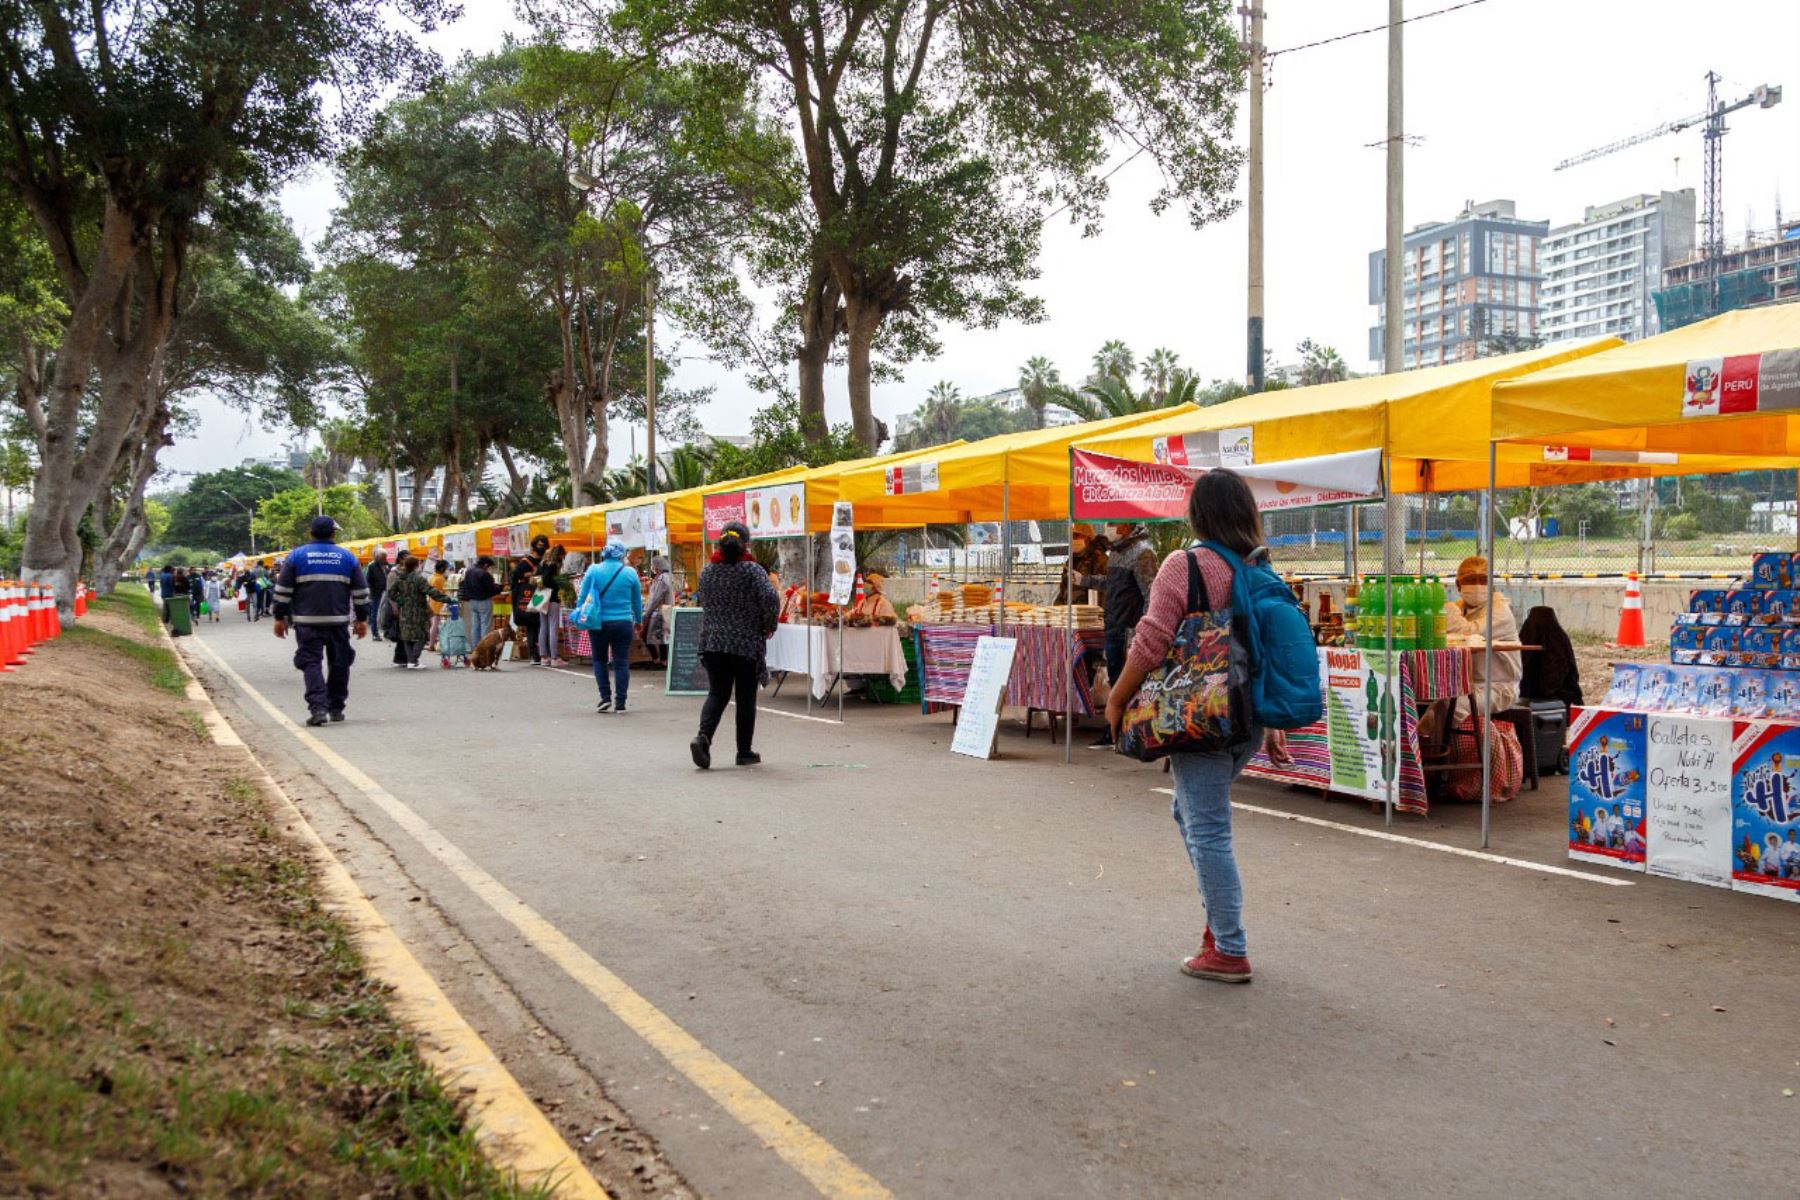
(322, 592)
(619, 597)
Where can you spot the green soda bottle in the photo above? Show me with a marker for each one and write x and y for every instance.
(1440, 636)
(1371, 616)
(1406, 614)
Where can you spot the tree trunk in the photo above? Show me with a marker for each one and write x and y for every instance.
(821, 323)
(418, 501)
(516, 483)
(862, 320)
(572, 424)
(601, 447)
(128, 536)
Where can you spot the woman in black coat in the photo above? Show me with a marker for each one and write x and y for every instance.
(741, 607)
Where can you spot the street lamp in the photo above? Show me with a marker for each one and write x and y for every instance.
(252, 514)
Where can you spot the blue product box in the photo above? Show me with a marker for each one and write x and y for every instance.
(1684, 689)
(1784, 695)
(1790, 649)
(1713, 692)
(1741, 605)
(1780, 607)
(1606, 788)
(1720, 644)
(1771, 571)
(1760, 646)
(1765, 810)
(1656, 683)
(1710, 604)
(1624, 690)
(1685, 643)
(1750, 698)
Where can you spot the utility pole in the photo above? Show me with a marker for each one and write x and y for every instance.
(650, 385)
(1393, 542)
(1253, 10)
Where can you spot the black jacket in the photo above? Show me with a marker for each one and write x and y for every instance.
(377, 573)
(524, 580)
(321, 584)
(477, 585)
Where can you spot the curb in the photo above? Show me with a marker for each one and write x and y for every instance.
(512, 1131)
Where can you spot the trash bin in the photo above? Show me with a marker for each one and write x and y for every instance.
(179, 615)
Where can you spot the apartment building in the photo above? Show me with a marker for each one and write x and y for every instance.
(1601, 273)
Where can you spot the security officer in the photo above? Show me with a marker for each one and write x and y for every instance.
(320, 587)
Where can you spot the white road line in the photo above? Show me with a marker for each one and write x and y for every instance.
(1382, 834)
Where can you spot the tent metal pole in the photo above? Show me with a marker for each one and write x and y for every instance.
(807, 544)
(1005, 555)
(840, 662)
(1424, 528)
(1389, 684)
(1487, 661)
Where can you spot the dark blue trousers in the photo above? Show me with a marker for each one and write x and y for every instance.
(326, 689)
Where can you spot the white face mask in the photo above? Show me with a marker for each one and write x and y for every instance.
(1474, 595)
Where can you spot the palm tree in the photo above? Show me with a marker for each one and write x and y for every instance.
(1115, 361)
(943, 409)
(1039, 384)
(1159, 369)
(1320, 363)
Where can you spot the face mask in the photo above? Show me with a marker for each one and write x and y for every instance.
(1474, 595)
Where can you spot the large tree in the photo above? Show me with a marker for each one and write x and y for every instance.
(126, 122)
(216, 509)
(572, 180)
(938, 134)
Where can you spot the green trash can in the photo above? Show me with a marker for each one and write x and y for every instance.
(179, 615)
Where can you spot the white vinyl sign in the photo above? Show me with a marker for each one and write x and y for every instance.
(1687, 805)
(979, 721)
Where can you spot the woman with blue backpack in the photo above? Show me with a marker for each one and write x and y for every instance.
(1222, 652)
(609, 606)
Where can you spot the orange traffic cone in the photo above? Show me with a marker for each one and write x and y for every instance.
(25, 614)
(10, 630)
(52, 620)
(1631, 613)
(81, 595)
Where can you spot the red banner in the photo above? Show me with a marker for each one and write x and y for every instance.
(718, 510)
(1104, 488)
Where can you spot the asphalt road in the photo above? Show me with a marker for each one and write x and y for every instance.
(961, 975)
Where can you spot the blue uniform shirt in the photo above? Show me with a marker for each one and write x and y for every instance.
(321, 583)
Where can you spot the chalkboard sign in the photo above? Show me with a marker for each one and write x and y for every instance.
(687, 675)
(979, 720)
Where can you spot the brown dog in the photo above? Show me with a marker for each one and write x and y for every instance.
(521, 644)
(487, 652)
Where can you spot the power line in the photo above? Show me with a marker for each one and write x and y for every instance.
(1344, 37)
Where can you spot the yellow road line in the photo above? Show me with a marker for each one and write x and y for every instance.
(513, 1132)
(817, 1160)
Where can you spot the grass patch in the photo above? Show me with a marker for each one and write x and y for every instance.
(84, 1079)
(130, 600)
(158, 661)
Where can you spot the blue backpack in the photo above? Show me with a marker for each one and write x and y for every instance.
(1285, 691)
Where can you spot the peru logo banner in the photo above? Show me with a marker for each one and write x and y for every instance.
(1104, 488)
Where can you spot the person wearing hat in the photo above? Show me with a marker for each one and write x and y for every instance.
(618, 602)
(1468, 614)
(741, 612)
(524, 582)
(323, 593)
(660, 597)
(1087, 556)
(874, 604)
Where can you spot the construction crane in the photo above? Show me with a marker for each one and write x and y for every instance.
(1713, 203)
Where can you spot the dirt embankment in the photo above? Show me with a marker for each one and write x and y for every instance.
(177, 1014)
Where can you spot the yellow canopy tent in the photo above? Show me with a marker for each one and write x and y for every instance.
(1431, 423)
(1021, 476)
(1728, 387)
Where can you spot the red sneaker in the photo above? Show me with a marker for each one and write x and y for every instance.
(1224, 968)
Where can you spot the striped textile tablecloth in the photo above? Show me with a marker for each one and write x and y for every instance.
(945, 655)
(1425, 675)
(1046, 659)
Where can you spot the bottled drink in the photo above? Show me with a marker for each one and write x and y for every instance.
(1371, 615)
(1440, 599)
(1406, 614)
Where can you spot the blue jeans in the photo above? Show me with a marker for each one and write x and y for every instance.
(613, 639)
(1202, 811)
(1117, 644)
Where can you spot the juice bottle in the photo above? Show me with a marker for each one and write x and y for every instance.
(1439, 629)
(1406, 615)
(1350, 614)
(1371, 615)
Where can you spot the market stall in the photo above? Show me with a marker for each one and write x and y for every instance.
(827, 655)
(1688, 769)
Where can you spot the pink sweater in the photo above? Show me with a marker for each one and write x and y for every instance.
(1168, 604)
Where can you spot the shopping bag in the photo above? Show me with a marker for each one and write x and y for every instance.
(540, 600)
(1194, 702)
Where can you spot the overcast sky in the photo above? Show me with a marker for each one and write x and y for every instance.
(1496, 94)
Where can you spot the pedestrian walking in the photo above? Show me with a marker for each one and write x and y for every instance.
(178, 610)
(410, 594)
(476, 595)
(523, 583)
(662, 594)
(262, 592)
(609, 606)
(150, 580)
(1130, 570)
(550, 579)
(166, 588)
(378, 577)
(440, 580)
(196, 594)
(215, 595)
(1222, 510)
(323, 593)
(741, 609)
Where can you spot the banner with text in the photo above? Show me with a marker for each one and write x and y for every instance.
(718, 511)
(778, 511)
(642, 526)
(1742, 383)
(1119, 489)
(1359, 723)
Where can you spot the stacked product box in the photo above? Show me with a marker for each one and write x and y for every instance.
(1755, 626)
